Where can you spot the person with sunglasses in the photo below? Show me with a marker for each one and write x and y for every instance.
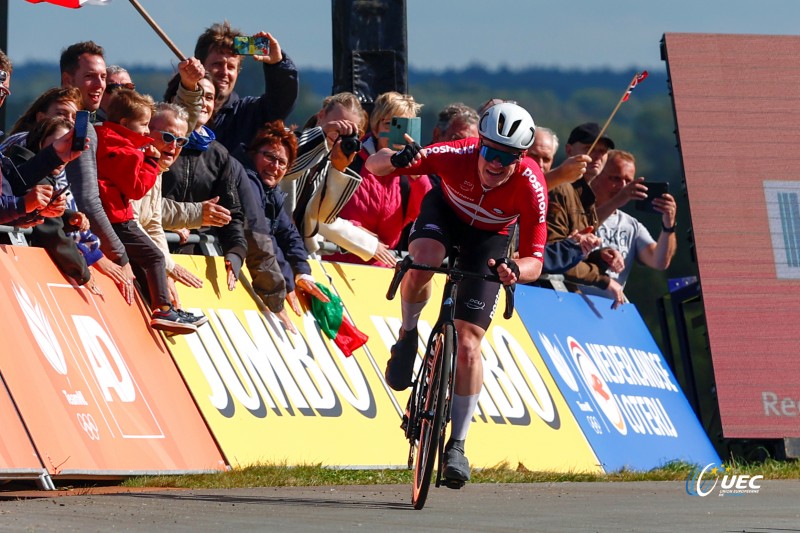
(486, 185)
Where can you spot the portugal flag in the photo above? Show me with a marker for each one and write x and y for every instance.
(74, 4)
(331, 320)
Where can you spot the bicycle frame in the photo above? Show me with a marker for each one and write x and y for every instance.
(429, 405)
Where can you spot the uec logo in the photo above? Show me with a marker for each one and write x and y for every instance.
(703, 482)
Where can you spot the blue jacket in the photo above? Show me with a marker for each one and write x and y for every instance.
(237, 121)
(287, 242)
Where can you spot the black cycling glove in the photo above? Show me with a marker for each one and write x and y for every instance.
(405, 157)
(510, 263)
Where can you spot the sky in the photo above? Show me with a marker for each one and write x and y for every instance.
(616, 34)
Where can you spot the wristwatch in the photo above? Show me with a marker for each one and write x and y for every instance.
(668, 230)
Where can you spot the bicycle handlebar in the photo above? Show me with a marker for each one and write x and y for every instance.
(408, 263)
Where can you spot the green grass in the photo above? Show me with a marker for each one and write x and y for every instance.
(317, 475)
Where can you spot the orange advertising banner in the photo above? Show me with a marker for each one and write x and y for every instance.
(95, 385)
(17, 455)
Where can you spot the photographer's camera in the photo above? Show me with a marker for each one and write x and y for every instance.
(350, 144)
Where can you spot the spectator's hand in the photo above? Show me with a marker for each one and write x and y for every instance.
(339, 159)
(283, 316)
(616, 290)
(93, 287)
(635, 190)
(183, 235)
(38, 197)
(174, 297)
(667, 207)
(191, 71)
(275, 52)
(587, 240)
(336, 128)
(385, 255)
(121, 276)
(151, 151)
(574, 167)
(294, 303)
(231, 276)
(306, 283)
(80, 221)
(613, 259)
(56, 208)
(214, 214)
(184, 276)
(410, 154)
(506, 269)
(63, 147)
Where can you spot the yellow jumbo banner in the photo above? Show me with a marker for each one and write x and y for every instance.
(270, 396)
(522, 418)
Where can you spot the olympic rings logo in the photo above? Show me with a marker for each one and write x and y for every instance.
(87, 423)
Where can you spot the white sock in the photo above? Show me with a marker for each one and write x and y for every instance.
(463, 409)
(410, 312)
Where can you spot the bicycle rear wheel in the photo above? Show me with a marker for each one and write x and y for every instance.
(435, 381)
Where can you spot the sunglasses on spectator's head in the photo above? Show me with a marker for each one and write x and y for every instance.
(505, 158)
(111, 87)
(169, 138)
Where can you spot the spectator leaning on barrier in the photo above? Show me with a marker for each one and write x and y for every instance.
(67, 239)
(236, 119)
(614, 187)
(325, 183)
(83, 66)
(572, 208)
(204, 173)
(384, 205)
(266, 159)
(167, 130)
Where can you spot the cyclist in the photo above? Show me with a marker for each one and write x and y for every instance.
(486, 185)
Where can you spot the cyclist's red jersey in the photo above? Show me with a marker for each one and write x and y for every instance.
(524, 195)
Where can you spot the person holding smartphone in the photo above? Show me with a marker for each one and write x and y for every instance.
(614, 187)
(237, 119)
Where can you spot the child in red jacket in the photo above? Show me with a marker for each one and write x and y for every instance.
(127, 167)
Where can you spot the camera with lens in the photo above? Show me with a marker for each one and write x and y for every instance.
(350, 144)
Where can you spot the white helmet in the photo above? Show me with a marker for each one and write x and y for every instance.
(508, 124)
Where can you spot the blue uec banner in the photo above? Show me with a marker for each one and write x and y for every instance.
(615, 380)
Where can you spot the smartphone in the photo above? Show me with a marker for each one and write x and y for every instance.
(400, 126)
(58, 193)
(248, 45)
(654, 190)
(81, 127)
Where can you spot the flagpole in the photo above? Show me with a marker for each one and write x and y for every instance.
(605, 126)
(158, 30)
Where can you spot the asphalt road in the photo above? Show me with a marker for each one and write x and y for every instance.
(544, 507)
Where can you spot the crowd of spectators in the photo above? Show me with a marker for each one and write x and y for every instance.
(208, 161)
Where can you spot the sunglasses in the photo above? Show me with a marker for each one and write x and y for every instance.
(4, 91)
(169, 138)
(505, 158)
(111, 87)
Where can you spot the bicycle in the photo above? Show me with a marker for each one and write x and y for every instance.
(428, 409)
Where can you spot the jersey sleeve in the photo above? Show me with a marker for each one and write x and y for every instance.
(533, 214)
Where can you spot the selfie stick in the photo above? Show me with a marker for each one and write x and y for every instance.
(158, 30)
(623, 98)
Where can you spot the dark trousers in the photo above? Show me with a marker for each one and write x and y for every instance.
(145, 255)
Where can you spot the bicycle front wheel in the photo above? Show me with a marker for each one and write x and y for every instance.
(435, 381)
